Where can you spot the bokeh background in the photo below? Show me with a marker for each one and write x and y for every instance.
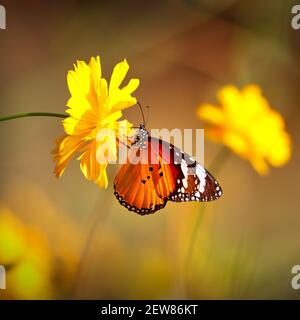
(183, 51)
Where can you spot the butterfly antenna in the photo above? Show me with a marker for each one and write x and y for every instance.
(148, 107)
(144, 123)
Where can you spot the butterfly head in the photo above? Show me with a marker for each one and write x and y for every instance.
(141, 136)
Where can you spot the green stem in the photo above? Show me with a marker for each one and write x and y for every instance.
(33, 114)
(214, 168)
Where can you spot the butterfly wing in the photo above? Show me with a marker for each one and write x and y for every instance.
(192, 181)
(145, 187)
(135, 189)
(135, 184)
(194, 188)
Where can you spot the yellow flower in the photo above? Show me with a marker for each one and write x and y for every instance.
(26, 256)
(94, 111)
(245, 123)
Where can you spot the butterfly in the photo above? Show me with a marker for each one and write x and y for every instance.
(168, 174)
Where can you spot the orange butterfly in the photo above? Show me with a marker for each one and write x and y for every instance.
(168, 174)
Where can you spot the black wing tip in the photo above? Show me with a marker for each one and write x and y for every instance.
(212, 192)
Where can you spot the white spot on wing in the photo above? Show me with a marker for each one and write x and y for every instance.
(201, 188)
(201, 174)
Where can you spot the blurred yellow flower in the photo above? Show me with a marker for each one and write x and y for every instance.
(94, 111)
(27, 259)
(245, 123)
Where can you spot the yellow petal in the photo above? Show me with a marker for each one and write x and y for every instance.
(259, 164)
(236, 142)
(131, 86)
(102, 97)
(111, 119)
(211, 114)
(90, 166)
(118, 75)
(79, 79)
(106, 151)
(103, 181)
(78, 106)
(230, 99)
(76, 127)
(95, 74)
(67, 146)
(120, 101)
